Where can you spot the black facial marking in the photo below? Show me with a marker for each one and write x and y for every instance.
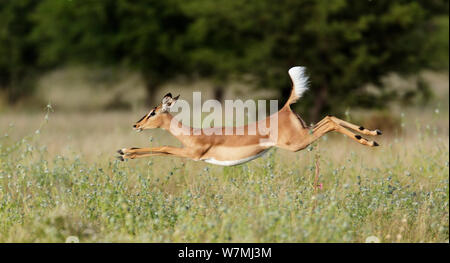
(168, 95)
(361, 128)
(141, 118)
(134, 148)
(358, 137)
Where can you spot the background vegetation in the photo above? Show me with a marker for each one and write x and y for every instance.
(344, 44)
(75, 75)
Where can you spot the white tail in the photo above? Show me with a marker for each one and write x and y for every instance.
(299, 83)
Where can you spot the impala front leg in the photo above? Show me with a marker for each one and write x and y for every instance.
(132, 153)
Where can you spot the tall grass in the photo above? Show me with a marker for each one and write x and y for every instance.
(398, 192)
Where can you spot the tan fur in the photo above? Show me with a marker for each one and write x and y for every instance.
(293, 135)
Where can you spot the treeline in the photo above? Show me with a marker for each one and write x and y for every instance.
(343, 43)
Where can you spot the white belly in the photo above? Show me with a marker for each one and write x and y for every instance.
(235, 162)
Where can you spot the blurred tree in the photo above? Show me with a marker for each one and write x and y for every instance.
(437, 46)
(221, 41)
(17, 51)
(345, 44)
(143, 35)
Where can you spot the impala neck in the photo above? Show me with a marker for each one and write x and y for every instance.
(166, 125)
(166, 122)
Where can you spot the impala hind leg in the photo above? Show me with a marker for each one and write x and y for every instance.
(339, 127)
(349, 125)
(356, 137)
(357, 128)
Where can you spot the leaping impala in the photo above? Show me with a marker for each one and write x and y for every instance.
(222, 149)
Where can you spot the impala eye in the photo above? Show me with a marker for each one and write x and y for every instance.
(152, 113)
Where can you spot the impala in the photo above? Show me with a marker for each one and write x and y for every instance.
(221, 148)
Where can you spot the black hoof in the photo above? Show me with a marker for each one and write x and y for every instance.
(361, 128)
(379, 132)
(375, 144)
(358, 137)
(120, 158)
(120, 152)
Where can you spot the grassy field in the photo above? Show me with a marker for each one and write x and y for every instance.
(64, 181)
(59, 179)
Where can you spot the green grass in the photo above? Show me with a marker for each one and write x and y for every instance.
(398, 192)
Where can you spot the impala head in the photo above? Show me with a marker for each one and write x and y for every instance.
(155, 117)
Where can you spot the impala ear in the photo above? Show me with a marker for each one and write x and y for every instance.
(168, 102)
